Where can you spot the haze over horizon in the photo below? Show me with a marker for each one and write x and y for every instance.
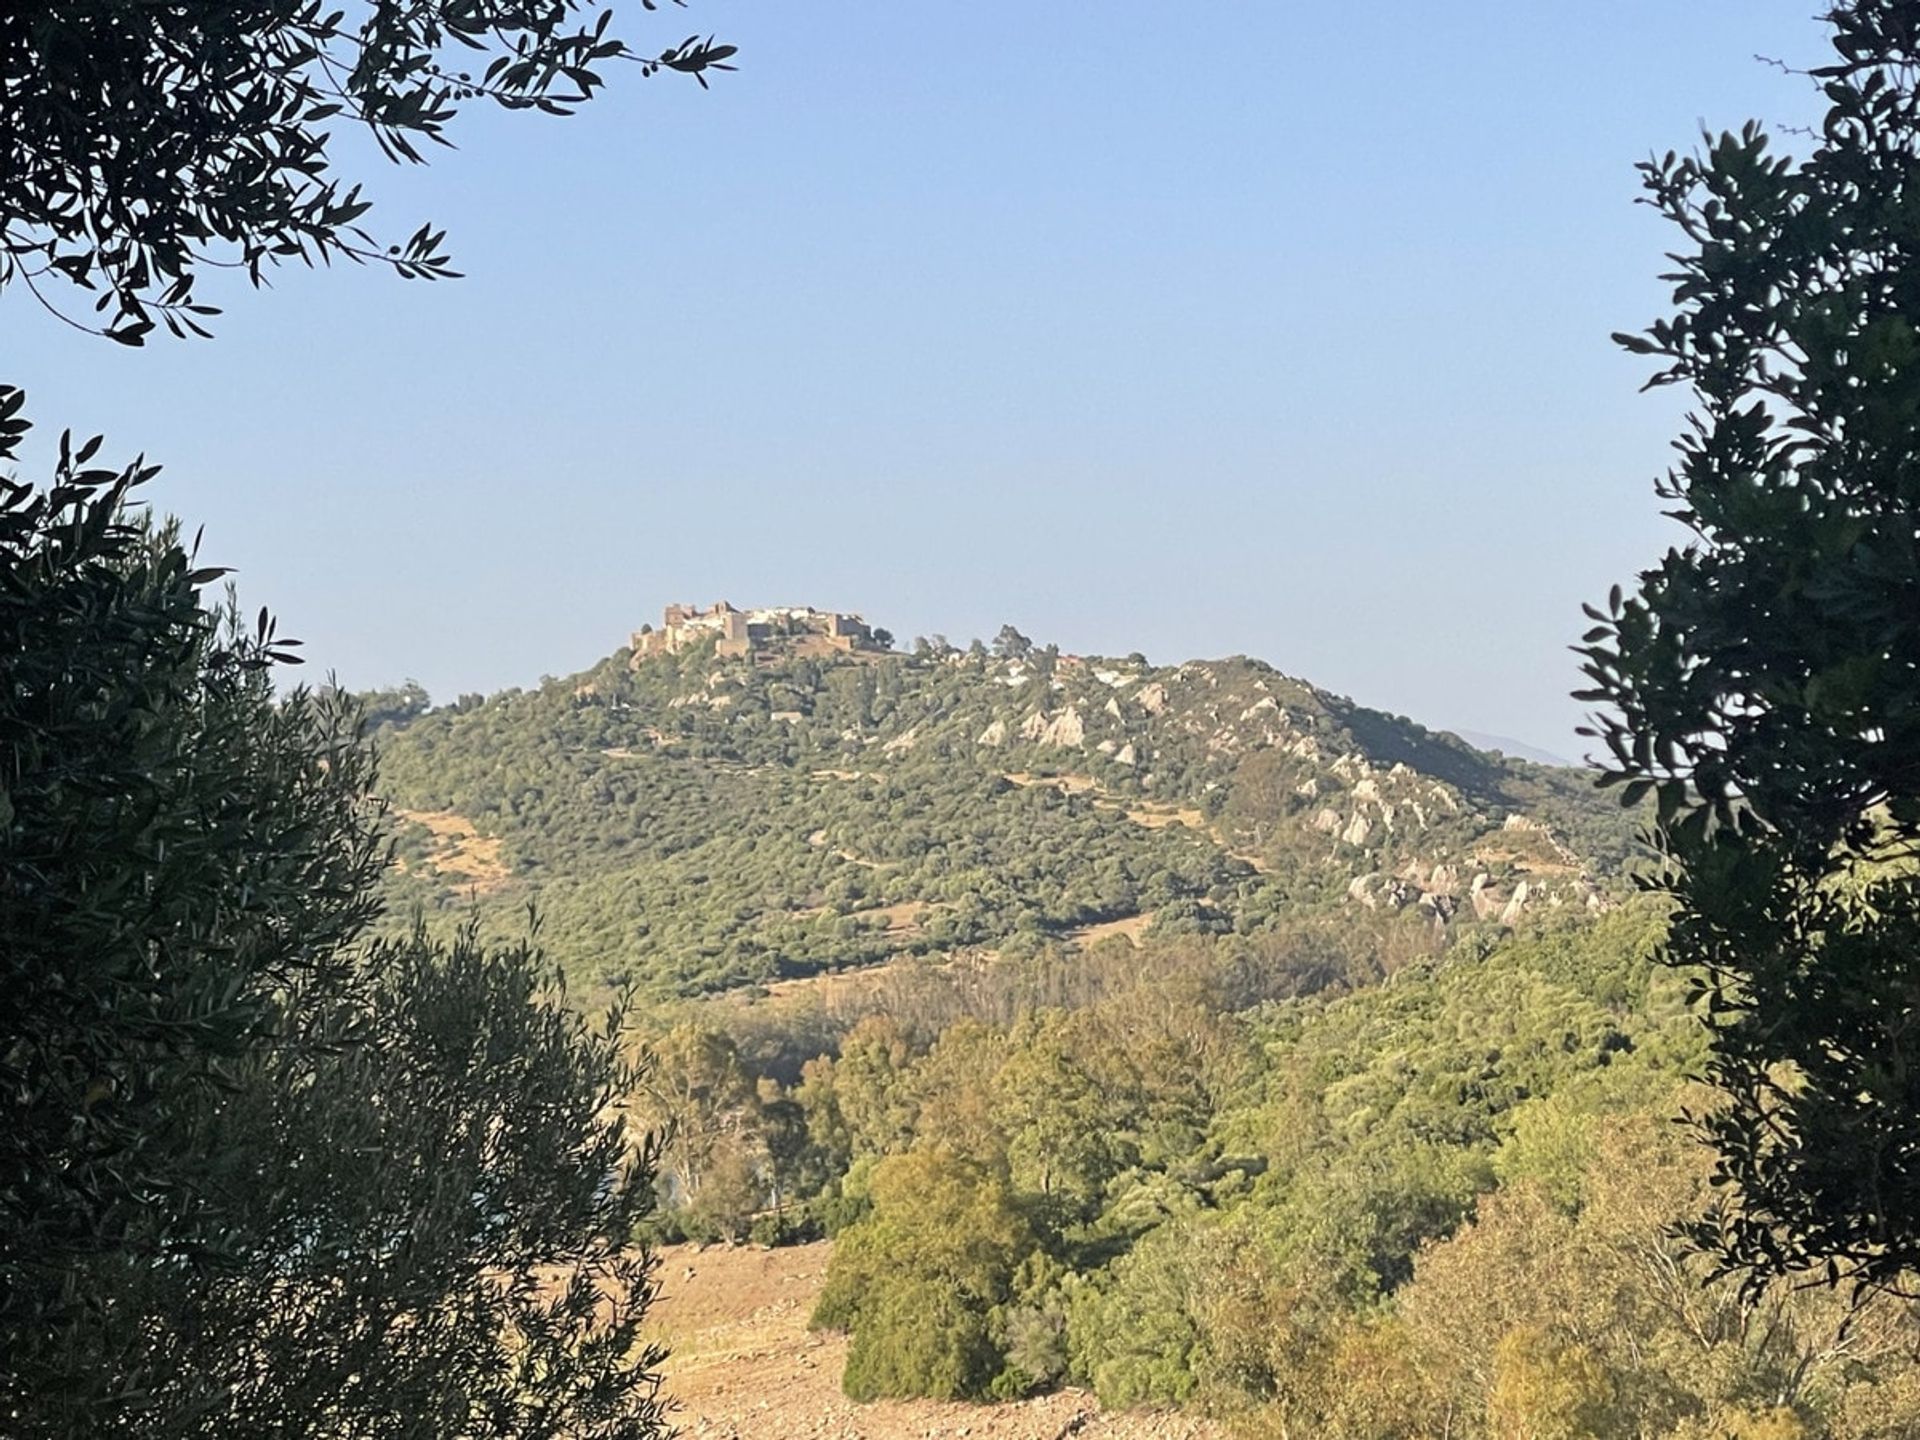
(1289, 341)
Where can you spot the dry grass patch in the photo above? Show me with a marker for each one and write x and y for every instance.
(1158, 817)
(462, 856)
(1065, 784)
(1130, 928)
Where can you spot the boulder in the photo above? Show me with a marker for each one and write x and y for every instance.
(1517, 906)
(1066, 730)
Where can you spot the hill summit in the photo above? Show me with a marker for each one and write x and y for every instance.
(745, 796)
(789, 630)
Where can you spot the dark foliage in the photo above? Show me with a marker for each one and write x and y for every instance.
(140, 142)
(1765, 679)
(693, 823)
(254, 1178)
(176, 851)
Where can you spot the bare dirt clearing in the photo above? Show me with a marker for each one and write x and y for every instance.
(745, 1367)
(462, 856)
(1065, 784)
(1131, 929)
(1158, 817)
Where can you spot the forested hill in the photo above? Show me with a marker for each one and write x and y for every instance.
(694, 823)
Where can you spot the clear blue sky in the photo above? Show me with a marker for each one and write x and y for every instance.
(1276, 328)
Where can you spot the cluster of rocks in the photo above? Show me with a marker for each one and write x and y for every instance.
(1438, 892)
(1367, 812)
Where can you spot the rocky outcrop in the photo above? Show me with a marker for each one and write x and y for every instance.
(995, 735)
(1516, 906)
(1374, 891)
(1066, 730)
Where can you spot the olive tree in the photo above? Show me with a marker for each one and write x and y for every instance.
(258, 1176)
(142, 142)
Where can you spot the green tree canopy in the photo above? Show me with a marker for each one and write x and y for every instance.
(256, 1177)
(1764, 681)
(178, 850)
(915, 1281)
(142, 142)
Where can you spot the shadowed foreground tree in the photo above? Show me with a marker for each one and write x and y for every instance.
(254, 1178)
(1764, 681)
(139, 142)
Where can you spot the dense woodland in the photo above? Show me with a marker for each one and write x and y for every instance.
(689, 825)
(1435, 1204)
(1309, 1149)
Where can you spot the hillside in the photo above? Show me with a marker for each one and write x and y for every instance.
(694, 821)
(1266, 1062)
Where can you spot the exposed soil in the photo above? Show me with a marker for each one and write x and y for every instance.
(836, 991)
(1065, 784)
(745, 1366)
(906, 918)
(462, 856)
(1158, 817)
(1131, 928)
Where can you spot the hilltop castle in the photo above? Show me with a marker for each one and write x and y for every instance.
(743, 634)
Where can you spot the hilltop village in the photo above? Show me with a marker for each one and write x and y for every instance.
(754, 634)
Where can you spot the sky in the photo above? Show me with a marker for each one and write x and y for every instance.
(1276, 329)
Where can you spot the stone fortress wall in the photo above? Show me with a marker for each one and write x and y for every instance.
(741, 634)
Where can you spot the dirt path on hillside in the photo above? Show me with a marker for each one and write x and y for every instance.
(745, 1367)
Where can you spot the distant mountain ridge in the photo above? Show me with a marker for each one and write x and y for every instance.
(1518, 749)
(694, 820)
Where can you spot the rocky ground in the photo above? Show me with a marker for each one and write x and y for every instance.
(745, 1366)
